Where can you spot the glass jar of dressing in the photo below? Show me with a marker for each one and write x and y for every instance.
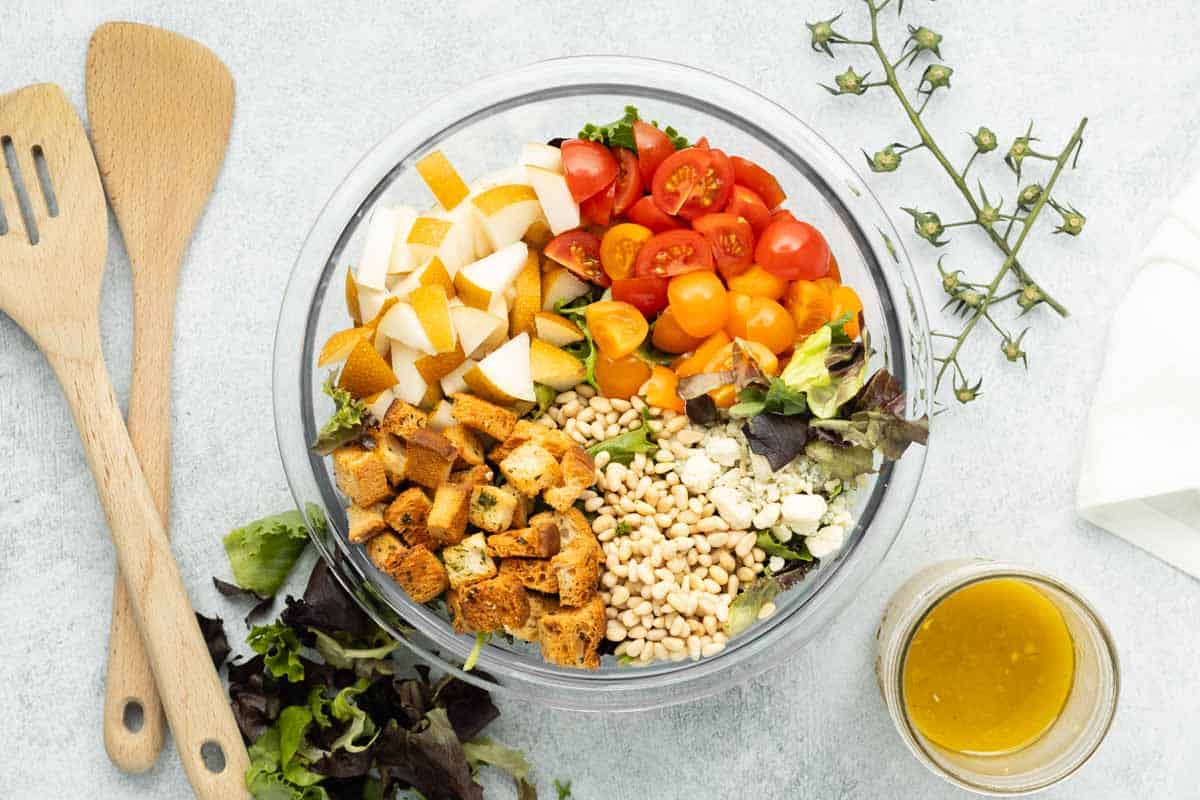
(999, 678)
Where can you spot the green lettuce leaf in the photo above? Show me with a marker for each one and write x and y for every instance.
(262, 553)
(623, 447)
(280, 648)
(806, 368)
(545, 397)
(743, 611)
(343, 655)
(777, 398)
(348, 422)
(614, 134)
(828, 368)
(482, 750)
(276, 771)
(843, 463)
(772, 547)
(345, 709)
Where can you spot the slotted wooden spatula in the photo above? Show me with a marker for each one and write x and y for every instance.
(52, 252)
(160, 106)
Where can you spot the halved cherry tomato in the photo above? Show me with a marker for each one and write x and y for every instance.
(629, 181)
(579, 252)
(648, 295)
(674, 253)
(782, 213)
(745, 203)
(619, 248)
(827, 283)
(698, 360)
(598, 209)
(587, 166)
(758, 180)
(732, 241)
(699, 302)
(846, 301)
(617, 327)
(711, 192)
(653, 146)
(660, 389)
(621, 377)
(645, 212)
(676, 177)
(810, 303)
(667, 335)
(793, 249)
(760, 319)
(758, 282)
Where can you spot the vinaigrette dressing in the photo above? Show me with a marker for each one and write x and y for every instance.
(989, 669)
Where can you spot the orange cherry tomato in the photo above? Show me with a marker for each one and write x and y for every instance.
(810, 303)
(792, 249)
(698, 360)
(827, 283)
(834, 271)
(758, 282)
(668, 336)
(724, 396)
(758, 180)
(588, 167)
(760, 319)
(618, 328)
(748, 205)
(846, 301)
(620, 377)
(660, 389)
(732, 241)
(699, 302)
(619, 248)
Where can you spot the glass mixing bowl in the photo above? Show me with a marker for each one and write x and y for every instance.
(481, 129)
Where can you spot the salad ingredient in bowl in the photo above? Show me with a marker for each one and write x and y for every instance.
(611, 400)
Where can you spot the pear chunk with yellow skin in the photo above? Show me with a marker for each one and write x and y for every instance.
(432, 274)
(442, 179)
(384, 228)
(433, 310)
(527, 297)
(543, 156)
(478, 283)
(476, 327)
(451, 241)
(504, 376)
(434, 368)
(560, 208)
(453, 382)
(401, 324)
(559, 285)
(365, 373)
(410, 386)
(506, 212)
(554, 367)
(556, 329)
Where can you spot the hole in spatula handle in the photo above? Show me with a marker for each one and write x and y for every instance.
(134, 716)
(213, 756)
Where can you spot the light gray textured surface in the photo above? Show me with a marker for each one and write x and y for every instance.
(320, 83)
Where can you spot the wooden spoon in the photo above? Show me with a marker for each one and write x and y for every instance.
(160, 107)
(53, 244)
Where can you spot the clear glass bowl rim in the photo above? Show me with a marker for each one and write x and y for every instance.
(632, 689)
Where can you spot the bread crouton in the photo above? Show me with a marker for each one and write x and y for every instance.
(573, 525)
(530, 468)
(403, 420)
(468, 561)
(430, 458)
(539, 605)
(552, 439)
(488, 605)
(524, 507)
(571, 637)
(391, 451)
(538, 541)
(578, 473)
(492, 508)
(533, 573)
(365, 522)
(447, 520)
(360, 474)
(483, 416)
(577, 569)
(384, 550)
(420, 573)
(470, 451)
(408, 515)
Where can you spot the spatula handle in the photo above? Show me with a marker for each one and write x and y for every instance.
(195, 703)
(129, 679)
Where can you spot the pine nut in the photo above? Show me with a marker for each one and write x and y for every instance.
(628, 618)
(600, 404)
(616, 632)
(585, 391)
(745, 574)
(672, 643)
(727, 561)
(744, 546)
(731, 588)
(660, 589)
(712, 586)
(711, 649)
(656, 635)
(610, 581)
(689, 436)
(633, 647)
(601, 459)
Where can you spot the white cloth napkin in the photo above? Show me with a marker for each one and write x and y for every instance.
(1140, 476)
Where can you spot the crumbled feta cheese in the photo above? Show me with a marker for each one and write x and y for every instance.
(732, 508)
(775, 564)
(760, 467)
(826, 541)
(698, 473)
(767, 516)
(802, 512)
(782, 533)
(723, 450)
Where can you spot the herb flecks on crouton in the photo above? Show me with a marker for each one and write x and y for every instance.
(403, 420)
(408, 515)
(468, 561)
(365, 522)
(533, 573)
(537, 541)
(531, 468)
(488, 605)
(447, 521)
(420, 573)
(492, 508)
(470, 451)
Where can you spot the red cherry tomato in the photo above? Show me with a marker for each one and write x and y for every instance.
(588, 167)
(745, 203)
(701, 143)
(598, 209)
(732, 241)
(645, 213)
(674, 253)
(629, 181)
(711, 192)
(648, 295)
(579, 252)
(653, 146)
(793, 250)
(782, 213)
(676, 177)
(758, 180)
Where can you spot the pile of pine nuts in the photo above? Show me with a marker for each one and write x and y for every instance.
(672, 566)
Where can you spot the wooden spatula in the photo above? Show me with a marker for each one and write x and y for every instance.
(53, 244)
(160, 107)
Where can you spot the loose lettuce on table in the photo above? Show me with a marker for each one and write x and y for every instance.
(262, 553)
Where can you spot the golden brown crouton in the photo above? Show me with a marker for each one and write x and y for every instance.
(483, 416)
(420, 573)
(447, 519)
(391, 451)
(571, 636)
(524, 507)
(470, 451)
(360, 474)
(365, 522)
(384, 550)
(488, 605)
(533, 573)
(408, 515)
(538, 541)
(530, 468)
(403, 420)
(480, 473)
(578, 473)
(577, 570)
(468, 561)
(430, 458)
(552, 439)
(539, 605)
(492, 508)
